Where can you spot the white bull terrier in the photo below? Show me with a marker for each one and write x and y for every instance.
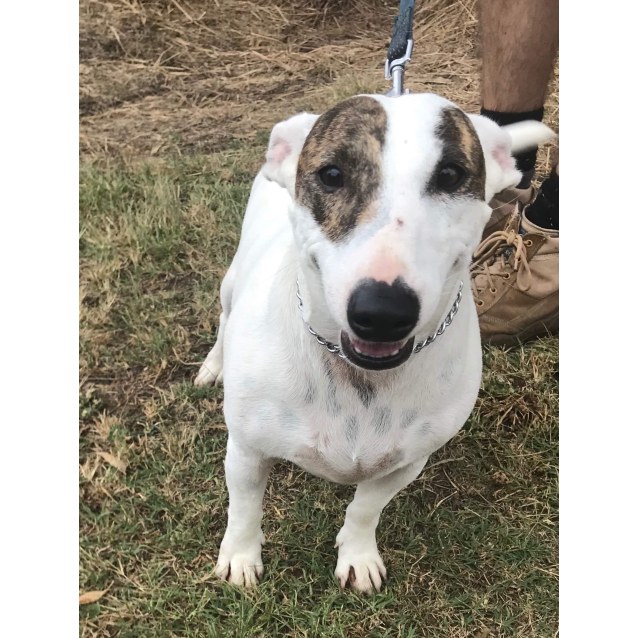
(348, 336)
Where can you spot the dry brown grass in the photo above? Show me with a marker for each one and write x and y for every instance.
(167, 76)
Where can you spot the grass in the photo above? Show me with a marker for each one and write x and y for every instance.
(471, 546)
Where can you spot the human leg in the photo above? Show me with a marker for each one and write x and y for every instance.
(515, 269)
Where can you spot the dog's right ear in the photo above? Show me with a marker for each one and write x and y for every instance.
(286, 141)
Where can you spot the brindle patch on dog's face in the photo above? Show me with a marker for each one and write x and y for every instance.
(349, 136)
(461, 146)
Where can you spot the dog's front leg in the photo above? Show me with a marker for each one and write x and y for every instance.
(240, 552)
(359, 562)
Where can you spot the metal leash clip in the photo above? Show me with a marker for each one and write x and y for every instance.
(400, 49)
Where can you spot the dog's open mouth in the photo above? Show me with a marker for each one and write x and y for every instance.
(376, 355)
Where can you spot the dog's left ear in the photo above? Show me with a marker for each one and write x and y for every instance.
(286, 141)
(500, 143)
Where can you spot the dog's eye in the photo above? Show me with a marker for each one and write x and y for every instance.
(331, 177)
(450, 177)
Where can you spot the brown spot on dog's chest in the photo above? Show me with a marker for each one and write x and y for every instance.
(349, 136)
(346, 375)
(462, 146)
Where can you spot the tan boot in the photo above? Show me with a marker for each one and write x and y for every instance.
(515, 282)
(503, 205)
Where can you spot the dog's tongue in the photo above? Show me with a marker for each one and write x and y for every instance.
(376, 349)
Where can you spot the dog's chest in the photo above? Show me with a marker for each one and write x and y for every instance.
(336, 423)
(332, 427)
(349, 432)
(354, 445)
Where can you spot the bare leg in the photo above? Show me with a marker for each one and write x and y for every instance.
(239, 559)
(520, 40)
(359, 561)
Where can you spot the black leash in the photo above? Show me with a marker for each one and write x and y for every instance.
(400, 49)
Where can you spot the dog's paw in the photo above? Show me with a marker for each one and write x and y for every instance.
(243, 570)
(209, 373)
(360, 565)
(240, 565)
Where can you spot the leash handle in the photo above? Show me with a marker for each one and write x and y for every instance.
(400, 49)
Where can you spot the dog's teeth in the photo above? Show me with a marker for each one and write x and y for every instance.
(375, 356)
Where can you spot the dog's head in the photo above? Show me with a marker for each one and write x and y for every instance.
(389, 202)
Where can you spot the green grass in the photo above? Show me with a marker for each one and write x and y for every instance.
(471, 546)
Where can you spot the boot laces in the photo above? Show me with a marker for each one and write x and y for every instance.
(493, 258)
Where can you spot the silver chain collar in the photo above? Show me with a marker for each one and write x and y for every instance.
(418, 346)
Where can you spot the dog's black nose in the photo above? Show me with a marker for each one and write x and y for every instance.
(380, 312)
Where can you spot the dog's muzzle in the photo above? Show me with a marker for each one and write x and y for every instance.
(381, 355)
(381, 316)
(381, 313)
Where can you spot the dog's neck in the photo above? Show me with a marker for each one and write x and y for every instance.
(314, 312)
